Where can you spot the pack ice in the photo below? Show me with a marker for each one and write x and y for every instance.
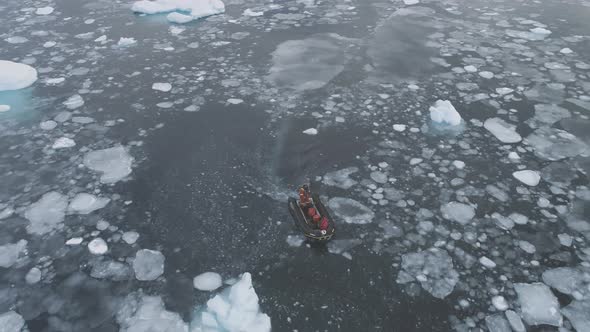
(180, 11)
(233, 310)
(47, 214)
(148, 264)
(114, 163)
(15, 76)
(351, 211)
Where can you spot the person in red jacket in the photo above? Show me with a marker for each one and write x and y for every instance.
(304, 196)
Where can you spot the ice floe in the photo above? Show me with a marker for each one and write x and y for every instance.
(444, 112)
(11, 252)
(208, 281)
(539, 306)
(84, 203)
(528, 177)
(114, 163)
(340, 178)
(10, 321)
(164, 87)
(44, 10)
(351, 211)
(148, 264)
(142, 313)
(503, 131)
(47, 214)
(63, 143)
(74, 102)
(180, 11)
(555, 144)
(310, 131)
(15, 76)
(459, 212)
(98, 246)
(432, 268)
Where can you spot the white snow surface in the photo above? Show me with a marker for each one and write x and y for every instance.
(114, 163)
(181, 11)
(528, 177)
(503, 131)
(47, 214)
(15, 76)
(538, 304)
(84, 203)
(234, 310)
(444, 112)
(208, 281)
(148, 264)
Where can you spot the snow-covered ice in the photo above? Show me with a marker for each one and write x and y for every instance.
(74, 241)
(208, 281)
(503, 131)
(114, 163)
(15, 76)
(459, 212)
(98, 246)
(340, 178)
(130, 237)
(181, 11)
(528, 177)
(148, 264)
(47, 214)
(310, 131)
(11, 321)
(444, 112)
(234, 310)
(432, 268)
(538, 304)
(11, 252)
(351, 211)
(164, 87)
(500, 303)
(33, 276)
(84, 203)
(63, 143)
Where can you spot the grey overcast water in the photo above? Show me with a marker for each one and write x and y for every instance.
(145, 169)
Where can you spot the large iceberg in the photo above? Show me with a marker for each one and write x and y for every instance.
(15, 76)
(180, 11)
(234, 310)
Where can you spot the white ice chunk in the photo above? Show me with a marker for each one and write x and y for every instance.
(555, 144)
(310, 131)
(4, 108)
(470, 69)
(251, 13)
(44, 10)
(15, 76)
(63, 143)
(541, 31)
(208, 281)
(504, 91)
(490, 264)
(459, 164)
(74, 102)
(48, 125)
(515, 321)
(566, 50)
(578, 314)
(114, 163)
(379, 177)
(74, 241)
(538, 304)
(84, 203)
(164, 87)
(235, 310)
(10, 321)
(183, 11)
(47, 214)
(399, 127)
(235, 101)
(148, 264)
(11, 252)
(528, 177)
(500, 303)
(54, 81)
(140, 313)
(295, 240)
(33, 276)
(98, 246)
(130, 237)
(527, 246)
(445, 113)
(459, 212)
(351, 211)
(503, 131)
(340, 178)
(486, 74)
(125, 41)
(497, 323)
(411, 2)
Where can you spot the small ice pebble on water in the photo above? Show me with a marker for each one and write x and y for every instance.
(164, 87)
(98, 246)
(44, 10)
(63, 143)
(235, 101)
(399, 127)
(487, 262)
(208, 281)
(566, 51)
(4, 108)
(311, 131)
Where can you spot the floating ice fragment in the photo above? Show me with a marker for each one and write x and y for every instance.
(555, 144)
(11, 252)
(539, 306)
(251, 13)
(74, 102)
(63, 143)
(503, 131)
(98, 246)
(566, 51)
(399, 127)
(114, 163)
(130, 237)
(295, 240)
(459, 212)
(528, 177)
(411, 2)
(84, 203)
(577, 313)
(500, 303)
(44, 10)
(208, 281)
(340, 178)
(74, 241)
(164, 87)
(47, 214)
(379, 177)
(487, 262)
(310, 131)
(504, 91)
(148, 264)
(497, 323)
(351, 211)
(4, 108)
(33, 276)
(15, 76)
(181, 11)
(235, 101)
(10, 321)
(140, 313)
(515, 321)
(486, 74)
(434, 270)
(124, 41)
(443, 112)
